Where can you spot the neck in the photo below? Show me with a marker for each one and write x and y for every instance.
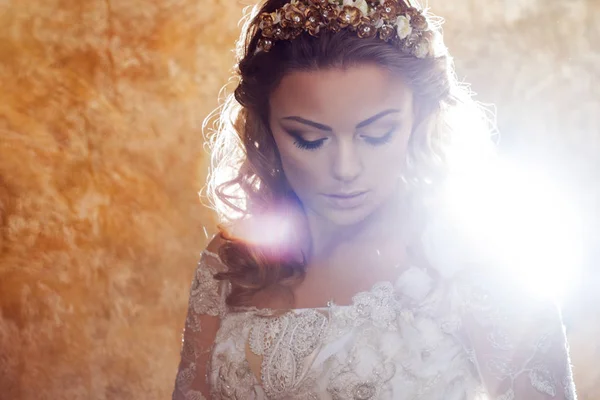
(387, 221)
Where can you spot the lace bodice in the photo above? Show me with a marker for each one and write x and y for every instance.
(464, 335)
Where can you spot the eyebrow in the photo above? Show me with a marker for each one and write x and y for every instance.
(326, 128)
(304, 121)
(375, 117)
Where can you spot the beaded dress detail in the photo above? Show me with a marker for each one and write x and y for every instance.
(451, 334)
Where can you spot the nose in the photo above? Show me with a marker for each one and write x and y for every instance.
(347, 164)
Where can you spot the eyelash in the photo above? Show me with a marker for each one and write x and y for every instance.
(315, 144)
(306, 144)
(378, 141)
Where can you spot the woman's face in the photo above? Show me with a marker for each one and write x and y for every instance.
(342, 135)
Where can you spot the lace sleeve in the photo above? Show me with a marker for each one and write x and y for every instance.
(517, 341)
(205, 309)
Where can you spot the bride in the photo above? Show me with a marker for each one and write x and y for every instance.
(335, 274)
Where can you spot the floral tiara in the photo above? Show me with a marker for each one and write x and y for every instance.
(393, 21)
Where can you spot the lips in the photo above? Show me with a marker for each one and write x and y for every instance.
(347, 200)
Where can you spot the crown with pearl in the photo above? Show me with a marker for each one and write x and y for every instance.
(393, 21)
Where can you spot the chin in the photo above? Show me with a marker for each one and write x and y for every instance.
(347, 217)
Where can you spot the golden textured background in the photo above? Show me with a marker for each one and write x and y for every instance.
(101, 156)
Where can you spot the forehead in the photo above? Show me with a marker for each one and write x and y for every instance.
(340, 95)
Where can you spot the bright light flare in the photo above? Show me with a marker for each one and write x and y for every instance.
(269, 230)
(522, 221)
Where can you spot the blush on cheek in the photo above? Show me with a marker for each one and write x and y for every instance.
(390, 162)
(302, 175)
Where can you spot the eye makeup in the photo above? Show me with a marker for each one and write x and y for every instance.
(310, 145)
(305, 144)
(380, 140)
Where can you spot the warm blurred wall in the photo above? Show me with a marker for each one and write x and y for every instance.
(101, 104)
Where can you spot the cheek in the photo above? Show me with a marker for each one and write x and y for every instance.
(302, 169)
(388, 162)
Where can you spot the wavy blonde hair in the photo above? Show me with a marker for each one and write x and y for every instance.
(244, 180)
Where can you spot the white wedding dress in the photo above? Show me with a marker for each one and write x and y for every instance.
(452, 334)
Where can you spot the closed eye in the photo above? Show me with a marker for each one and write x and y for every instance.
(305, 144)
(309, 145)
(379, 140)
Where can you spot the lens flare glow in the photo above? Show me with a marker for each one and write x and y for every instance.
(521, 220)
(275, 231)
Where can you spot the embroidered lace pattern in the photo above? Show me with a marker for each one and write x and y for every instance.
(523, 339)
(206, 304)
(286, 343)
(463, 337)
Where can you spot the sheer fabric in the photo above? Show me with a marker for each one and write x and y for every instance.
(206, 309)
(430, 335)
